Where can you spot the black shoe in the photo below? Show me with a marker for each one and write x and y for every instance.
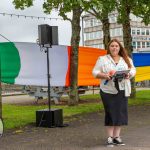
(118, 141)
(110, 142)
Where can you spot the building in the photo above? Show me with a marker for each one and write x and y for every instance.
(93, 35)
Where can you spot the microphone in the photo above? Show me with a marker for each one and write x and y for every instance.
(106, 81)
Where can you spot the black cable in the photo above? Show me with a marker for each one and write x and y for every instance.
(5, 37)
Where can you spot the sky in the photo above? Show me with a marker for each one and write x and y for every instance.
(26, 30)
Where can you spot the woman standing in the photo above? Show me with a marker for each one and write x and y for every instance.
(114, 93)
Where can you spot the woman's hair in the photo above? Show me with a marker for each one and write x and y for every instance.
(122, 52)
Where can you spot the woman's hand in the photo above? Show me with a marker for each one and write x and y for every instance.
(104, 76)
(127, 76)
(107, 76)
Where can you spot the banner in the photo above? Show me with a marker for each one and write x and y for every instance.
(26, 64)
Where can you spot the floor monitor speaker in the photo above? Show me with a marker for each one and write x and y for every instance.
(49, 118)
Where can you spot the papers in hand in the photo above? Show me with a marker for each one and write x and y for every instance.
(119, 75)
(122, 72)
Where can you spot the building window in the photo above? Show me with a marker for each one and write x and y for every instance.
(101, 46)
(97, 35)
(87, 23)
(112, 19)
(148, 44)
(133, 31)
(91, 22)
(96, 45)
(134, 44)
(143, 44)
(147, 32)
(118, 32)
(94, 35)
(96, 22)
(138, 31)
(138, 44)
(99, 22)
(100, 34)
(86, 36)
(143, 31)
(112, 32)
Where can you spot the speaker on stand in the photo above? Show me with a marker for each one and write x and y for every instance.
(48, 36)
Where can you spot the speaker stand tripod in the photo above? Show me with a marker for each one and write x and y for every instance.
(49, 117)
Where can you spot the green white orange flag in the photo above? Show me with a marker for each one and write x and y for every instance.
(25, 64)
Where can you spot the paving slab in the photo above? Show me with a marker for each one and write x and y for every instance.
(85, 132)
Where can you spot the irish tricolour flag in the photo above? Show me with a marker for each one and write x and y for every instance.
(26, 64)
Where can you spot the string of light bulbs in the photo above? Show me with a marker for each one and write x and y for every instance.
(26, 16)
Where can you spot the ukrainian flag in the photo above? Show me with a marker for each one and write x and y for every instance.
(142, 64)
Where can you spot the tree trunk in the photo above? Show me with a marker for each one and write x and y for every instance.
(106, 31)
(75, 39)
(128, 42)
(127, 37)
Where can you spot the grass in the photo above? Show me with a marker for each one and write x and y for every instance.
(16, 116)
(142, 98)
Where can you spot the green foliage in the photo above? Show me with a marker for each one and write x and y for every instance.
(139, 8)
(101, 9)
(64, 6)
(124, 8)
(22, 4)
(143, 11)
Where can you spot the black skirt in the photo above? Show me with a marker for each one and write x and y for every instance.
(116, 108)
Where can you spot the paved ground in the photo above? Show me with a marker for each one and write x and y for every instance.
(84, 133)
(19, 99)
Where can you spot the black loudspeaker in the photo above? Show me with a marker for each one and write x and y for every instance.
(54, 35)
(45, 34)
(48, 34)
(49, 118)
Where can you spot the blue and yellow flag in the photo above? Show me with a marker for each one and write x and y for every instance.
(142, 64)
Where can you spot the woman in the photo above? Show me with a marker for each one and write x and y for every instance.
(114, 92)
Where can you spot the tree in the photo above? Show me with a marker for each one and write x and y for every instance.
(101, 10)
(64, 7)
(143, 11)
(125, 8)
(76, 7)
